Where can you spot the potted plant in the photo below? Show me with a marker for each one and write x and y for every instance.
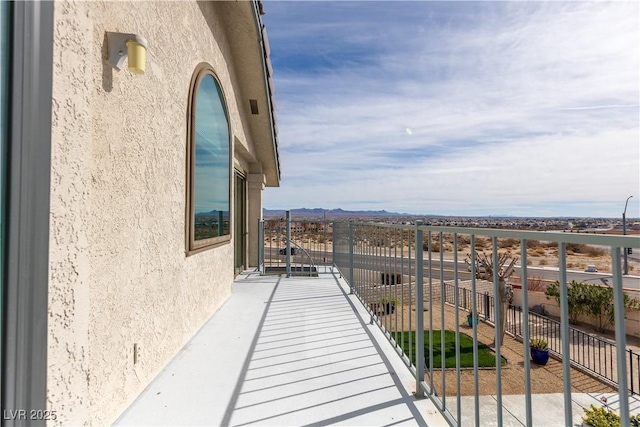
(389, 304)
(472, 317)
(539, 351)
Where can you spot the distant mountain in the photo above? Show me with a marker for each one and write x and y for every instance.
(329, 213)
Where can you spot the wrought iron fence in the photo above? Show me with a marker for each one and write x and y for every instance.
(590, 353)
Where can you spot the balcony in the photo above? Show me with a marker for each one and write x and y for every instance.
(343, 345)
(285, 351)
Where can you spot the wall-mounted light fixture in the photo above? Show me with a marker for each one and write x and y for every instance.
(121, 46)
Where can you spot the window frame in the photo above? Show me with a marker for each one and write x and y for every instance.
(196, 246)
(27, 197)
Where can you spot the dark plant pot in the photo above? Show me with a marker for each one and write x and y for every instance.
(389, 308)
(541, 357)
(470, 320)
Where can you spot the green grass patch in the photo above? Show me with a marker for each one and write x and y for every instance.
(486, 357)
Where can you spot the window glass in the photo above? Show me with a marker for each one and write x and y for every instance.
(211, 162)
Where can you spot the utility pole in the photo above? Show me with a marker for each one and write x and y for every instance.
(624, 232)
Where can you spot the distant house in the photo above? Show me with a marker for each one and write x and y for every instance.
(132, 195)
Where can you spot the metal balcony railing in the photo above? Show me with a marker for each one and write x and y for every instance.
(398, 272)
(294, 247)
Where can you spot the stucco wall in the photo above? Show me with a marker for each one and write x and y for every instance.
(119, 275)
(69, 255)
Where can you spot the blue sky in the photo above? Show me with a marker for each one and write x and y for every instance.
(457, 108)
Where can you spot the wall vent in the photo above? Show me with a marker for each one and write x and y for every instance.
(254, 106)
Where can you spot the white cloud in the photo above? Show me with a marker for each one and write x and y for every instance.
(511, 105)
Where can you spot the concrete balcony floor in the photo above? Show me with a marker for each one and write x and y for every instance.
(301, 351)
(280, 351)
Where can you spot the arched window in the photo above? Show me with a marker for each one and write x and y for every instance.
(209, 163)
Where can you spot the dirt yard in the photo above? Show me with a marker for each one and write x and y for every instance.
(544, 379)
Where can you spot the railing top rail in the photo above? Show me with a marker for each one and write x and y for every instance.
(593, 239)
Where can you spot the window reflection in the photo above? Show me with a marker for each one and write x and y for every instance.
(211, 171)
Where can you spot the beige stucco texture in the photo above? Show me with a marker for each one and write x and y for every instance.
(119, 276)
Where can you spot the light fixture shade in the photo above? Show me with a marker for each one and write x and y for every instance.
(137, 56)
(122, 46)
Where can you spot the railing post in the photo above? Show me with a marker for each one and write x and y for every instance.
(564, 332)
(456, 299)
(261, 246)
(474, 304)
(499, 322)
(324, 250)
(351, 284)
(288, 248)
(526, 336)
(621, 344)
(631, 371)
(419, 312)
(333, 245)
(487, 309)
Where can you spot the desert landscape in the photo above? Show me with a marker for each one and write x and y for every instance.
(539, 253)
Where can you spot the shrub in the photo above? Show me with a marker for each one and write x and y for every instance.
(600, 417)
(576, 248)
(481, 243)
(605, 417)
(581, 248)
(577, 297)
(595, 252)
(508, 243)
(389, 300)
(543, 262)
(599, 305)
(536, 284)
(533, 244)
(464, 240)
(435, 246)
(592, 300)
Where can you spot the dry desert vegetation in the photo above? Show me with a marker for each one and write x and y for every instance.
(539, 253)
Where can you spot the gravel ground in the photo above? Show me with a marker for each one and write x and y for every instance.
(544, 379)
